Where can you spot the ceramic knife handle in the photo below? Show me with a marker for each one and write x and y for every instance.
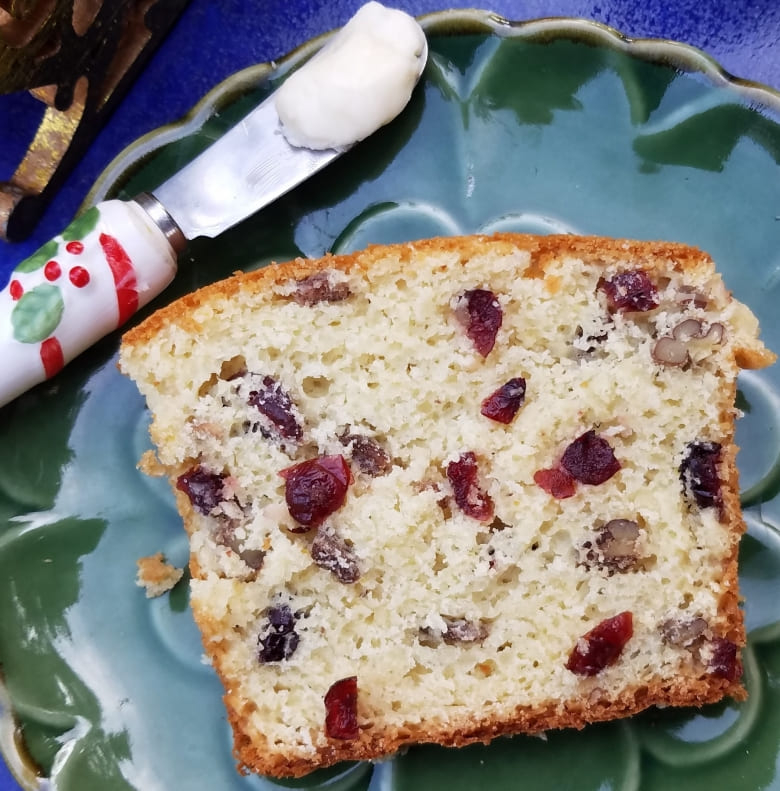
(80, 286)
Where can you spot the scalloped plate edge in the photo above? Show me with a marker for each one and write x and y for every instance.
(673, 54)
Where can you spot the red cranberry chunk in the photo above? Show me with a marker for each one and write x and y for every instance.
(630, 291)
(370, 457)
(275, 403)
(699, 473)
(601, 646)
(503, 405)
(341, 709)
(319, 288)
(280, 639)
(469, 496)
(315, 488)
(480, 313)
(204, 488)
(724, 661)
(556, 482)
(332, 553)
(590, 459)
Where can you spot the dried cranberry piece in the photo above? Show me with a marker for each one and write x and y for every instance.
(280, 639)
(590, 459)
(480, 313)
(368, 454)
(724, 661)
(630, 291)
(275, 403)
(601, 646)
(278, 646)
(699, 473)
(341, 709)
(315, 488)
(332, 553)
(204, 488)
(319, 288)
(502, 405)
(281, 618)
(556, 482)
(469, 496)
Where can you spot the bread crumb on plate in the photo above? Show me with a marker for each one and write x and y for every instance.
(156, 575)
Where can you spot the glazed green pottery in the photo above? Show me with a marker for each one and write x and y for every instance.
(548, 126)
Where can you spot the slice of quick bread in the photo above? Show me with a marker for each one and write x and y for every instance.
(456, 488)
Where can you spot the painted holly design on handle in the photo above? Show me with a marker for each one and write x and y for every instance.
(39, 310)
(76, 288)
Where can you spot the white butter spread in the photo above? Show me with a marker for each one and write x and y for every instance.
(360, 80)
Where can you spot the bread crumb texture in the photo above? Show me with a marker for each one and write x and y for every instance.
(508, 500)
(156, 575)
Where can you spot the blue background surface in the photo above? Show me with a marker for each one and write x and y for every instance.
(214, 38)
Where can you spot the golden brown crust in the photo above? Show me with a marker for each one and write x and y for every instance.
(543, 249)
(156, 575)
(255, 754)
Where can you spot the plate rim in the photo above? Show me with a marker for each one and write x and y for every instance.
(457, 22)
(454, 22)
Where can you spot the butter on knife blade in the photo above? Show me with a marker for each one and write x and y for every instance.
(119, 255)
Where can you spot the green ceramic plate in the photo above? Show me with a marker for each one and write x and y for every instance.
(546, 126)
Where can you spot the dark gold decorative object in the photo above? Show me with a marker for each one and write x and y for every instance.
(78, 57)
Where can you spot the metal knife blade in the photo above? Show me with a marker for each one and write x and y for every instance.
(249, 167)
(119, 255)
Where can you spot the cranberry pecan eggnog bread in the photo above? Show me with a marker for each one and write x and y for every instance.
(456, 488)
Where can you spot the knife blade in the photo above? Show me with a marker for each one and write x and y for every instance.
(264, 166)
(118, 255)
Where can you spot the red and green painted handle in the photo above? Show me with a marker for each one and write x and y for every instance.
(77, 288)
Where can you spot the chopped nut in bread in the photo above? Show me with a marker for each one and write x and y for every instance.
(456, 488)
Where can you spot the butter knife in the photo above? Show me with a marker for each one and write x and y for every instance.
(119, 255)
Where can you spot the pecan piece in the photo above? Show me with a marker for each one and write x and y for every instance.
(333, 554)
